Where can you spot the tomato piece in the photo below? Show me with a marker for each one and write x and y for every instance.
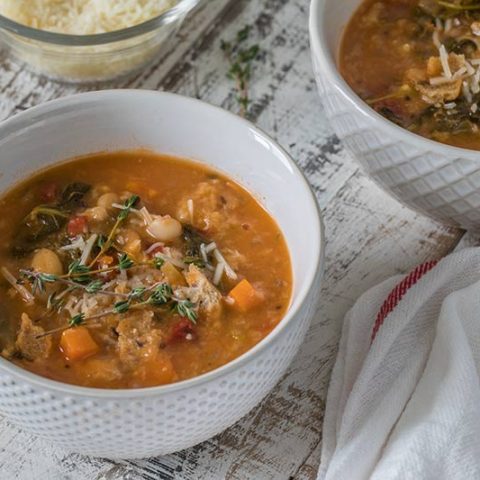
(48, 192)
(182, 330)
(77, 225)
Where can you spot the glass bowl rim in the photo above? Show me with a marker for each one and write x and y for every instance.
(30, 33)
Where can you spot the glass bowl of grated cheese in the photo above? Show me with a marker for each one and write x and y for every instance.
(89, 40)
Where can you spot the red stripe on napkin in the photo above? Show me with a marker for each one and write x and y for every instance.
(398, 292)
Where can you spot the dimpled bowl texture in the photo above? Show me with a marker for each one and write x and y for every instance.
(152, 421)
(438, 180)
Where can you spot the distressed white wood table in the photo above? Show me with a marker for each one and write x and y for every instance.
(369, 237)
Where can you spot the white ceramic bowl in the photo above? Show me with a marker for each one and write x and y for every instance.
(438, 180)
(145, 422)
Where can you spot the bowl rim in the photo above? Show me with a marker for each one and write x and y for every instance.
(315, 271)
(320, 51)
(45, 36)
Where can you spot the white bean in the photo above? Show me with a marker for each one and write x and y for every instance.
(164, 229)
(133, 242)
(47, 261)
(97, 214)
(107, 199)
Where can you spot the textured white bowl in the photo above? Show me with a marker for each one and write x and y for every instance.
(438, 180)
(145, 422)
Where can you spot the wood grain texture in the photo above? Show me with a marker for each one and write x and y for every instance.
(369, 237)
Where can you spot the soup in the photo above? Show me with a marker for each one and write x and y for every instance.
(417, 63)
(133, 269)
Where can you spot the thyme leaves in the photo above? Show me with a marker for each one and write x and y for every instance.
(186, 309)
(241, 57)
(159, 295)
(105, 244)
(81, 277)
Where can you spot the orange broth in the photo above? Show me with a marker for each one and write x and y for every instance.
(149, 344)
(391, 57)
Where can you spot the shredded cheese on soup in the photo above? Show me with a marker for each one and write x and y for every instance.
(83, 17)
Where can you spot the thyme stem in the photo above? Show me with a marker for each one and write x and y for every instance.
(241, 59)
(122, 216)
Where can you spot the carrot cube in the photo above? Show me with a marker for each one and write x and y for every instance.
(77, 344)
(245, 296)
(156, 370)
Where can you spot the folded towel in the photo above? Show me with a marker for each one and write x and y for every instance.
(404, 398)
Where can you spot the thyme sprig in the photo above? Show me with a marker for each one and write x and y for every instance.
(83, 277)
(186, 309)
(158, 295)
(105, 244)
(240, 58)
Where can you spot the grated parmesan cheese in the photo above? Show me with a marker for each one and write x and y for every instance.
(228, 269)
(444, 61)
(218, 273)
(190, 209)
(210, 247)
(83, 17)
(470, 69)
(78, 243)
(88, 249)
(459, 72)
(466, 92)
(448, 24)
(203, 253)
(154, 247)
(436, 81)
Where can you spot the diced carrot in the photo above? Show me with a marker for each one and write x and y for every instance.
(156, 370)
(77, 225)
(77, 343)
(105, 261)
(244, 296)
(173, 276)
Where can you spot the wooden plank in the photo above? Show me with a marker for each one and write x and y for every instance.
(21, 89)
(468, 240)
(369, 237)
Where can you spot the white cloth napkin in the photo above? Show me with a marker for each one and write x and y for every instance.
(406, 405)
